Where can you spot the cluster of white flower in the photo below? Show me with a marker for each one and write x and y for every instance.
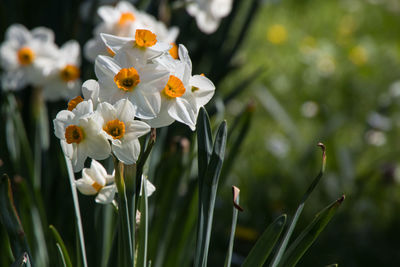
(141, 80)
(123, 20)
(32, 58)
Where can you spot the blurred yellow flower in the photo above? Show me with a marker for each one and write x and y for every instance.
(358, 55)
(277, 34)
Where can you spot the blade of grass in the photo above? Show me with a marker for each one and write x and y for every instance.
(61, 246)
(78, 219)
(309, 235)
(283, 244)
(264, 245)
(10, 220)
(236, 208)
(143, 229)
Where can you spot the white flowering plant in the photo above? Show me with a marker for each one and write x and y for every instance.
(128, 131)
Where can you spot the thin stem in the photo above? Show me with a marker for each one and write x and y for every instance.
(77, 210)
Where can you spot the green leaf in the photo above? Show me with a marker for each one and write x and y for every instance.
(209, 191)
(10, 219)
(204, 143)
(143, 228)
(23, 261)
(236, 208)
(265, 243)
(283, 244)
(308, 236)
(61, 246)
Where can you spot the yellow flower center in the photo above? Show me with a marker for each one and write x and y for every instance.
(127, 79)
(174, 51)
(115, 128)
(69, 73)
(125, 18)
(74, 102)
(145, 38)
(74, 134)
(25, 56)
(174, 87)
(97, 186)
(110, 52)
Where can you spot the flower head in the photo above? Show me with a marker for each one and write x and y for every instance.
(81, 135)
(25, 54)
(118, 126)
(62, 79)
(123, 20)
(96, 181)
(123, 77)
(184, 94)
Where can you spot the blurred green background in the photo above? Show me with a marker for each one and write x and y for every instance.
(326, 71)
(332, 72)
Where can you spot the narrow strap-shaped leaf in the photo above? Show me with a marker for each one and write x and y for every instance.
(210, 187)
(236, 208)
(10, 220)
(204, 143)
(308, 236)
(285, 241)
(143, 228)
(265, 243)
(62, 249)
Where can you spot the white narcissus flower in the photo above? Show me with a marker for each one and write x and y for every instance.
(144, 47)
(24, 55)
(208, 13)
(81, 135)
(123, 20)
(63, 78)
(123, 77)
(184, 94)
(119, 126)
(96, 181)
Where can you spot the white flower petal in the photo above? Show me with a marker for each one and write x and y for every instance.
(106, 194)
(18, 33)
(184, 112)
(125, 111)
(115, 43)
(127, 152)
(43, 34)
(85, 187)
(136, 129)
(106, 68)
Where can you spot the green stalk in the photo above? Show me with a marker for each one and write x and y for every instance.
(77, 210)
(125, 238)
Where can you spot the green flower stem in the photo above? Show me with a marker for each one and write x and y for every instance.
(125, 238)
(77, 210)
